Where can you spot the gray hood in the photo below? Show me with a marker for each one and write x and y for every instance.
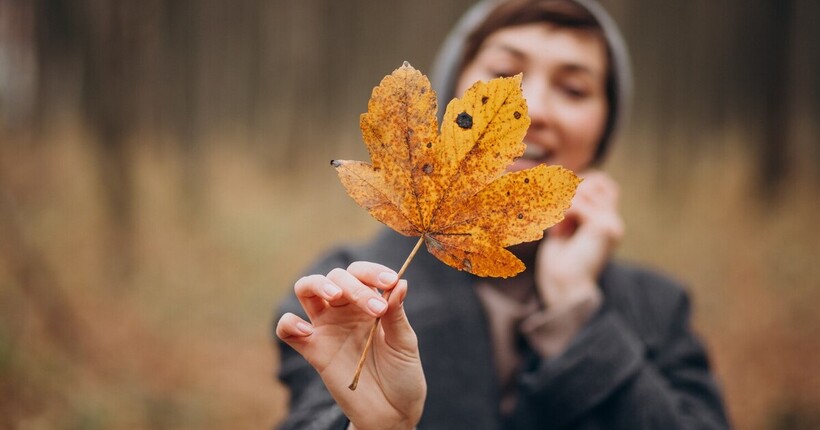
(444, 73)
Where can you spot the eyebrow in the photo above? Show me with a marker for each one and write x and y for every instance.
(579, 68)
(521, 55)
(509, 49)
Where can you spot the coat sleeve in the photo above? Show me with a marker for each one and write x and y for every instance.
(611, 376)
(310, 407)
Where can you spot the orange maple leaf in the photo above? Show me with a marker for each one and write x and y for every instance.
(451, 189)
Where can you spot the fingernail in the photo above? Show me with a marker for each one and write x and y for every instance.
(304, 327)
(388, 278)
(376, 305)
(330, 289)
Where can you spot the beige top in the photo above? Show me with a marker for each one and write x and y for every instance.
(516, 308)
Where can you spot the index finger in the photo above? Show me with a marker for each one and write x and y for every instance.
(599, 189)
(374, 274)
(355, 291)
(314, 292)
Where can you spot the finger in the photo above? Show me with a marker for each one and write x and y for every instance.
(354, 291)
(374, 274)
(600, 189)
(314, 292)
(397, 330)
(593, 175)
(293, 330)
(584, 174)
(597, 199)
(576, 216)
(604, 223)
(566, 227)
(613, 226)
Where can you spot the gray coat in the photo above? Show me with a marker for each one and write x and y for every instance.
(635, 365)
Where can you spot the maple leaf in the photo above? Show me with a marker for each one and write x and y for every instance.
(451, 189)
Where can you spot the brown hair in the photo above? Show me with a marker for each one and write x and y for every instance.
(561, 13)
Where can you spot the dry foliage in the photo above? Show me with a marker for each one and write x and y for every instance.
(451, 189)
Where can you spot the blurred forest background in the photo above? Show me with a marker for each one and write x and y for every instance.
(164, 178)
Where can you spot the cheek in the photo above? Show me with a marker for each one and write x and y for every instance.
(583, 128)
(460, 88)
(467, 79)
(588, 126)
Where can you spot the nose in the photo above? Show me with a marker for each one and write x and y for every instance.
(539, 103)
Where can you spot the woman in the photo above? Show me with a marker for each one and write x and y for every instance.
(576, 341)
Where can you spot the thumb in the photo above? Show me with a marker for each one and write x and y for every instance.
(397, 330)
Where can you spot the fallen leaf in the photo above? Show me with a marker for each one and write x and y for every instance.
(452, 189)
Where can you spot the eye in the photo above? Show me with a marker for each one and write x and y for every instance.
(504, 73)
(574, 92)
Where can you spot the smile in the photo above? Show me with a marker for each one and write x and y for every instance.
(537, 153)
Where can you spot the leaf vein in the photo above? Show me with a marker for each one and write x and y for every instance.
(386, 197)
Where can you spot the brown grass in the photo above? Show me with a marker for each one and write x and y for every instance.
(178, 336)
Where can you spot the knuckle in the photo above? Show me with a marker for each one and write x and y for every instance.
(413, 340)
(614, 229)
(619, 231)
(301, 284)
(356, 265)
(336, 273)
(365, 269)
(360, 294)
(305, 283)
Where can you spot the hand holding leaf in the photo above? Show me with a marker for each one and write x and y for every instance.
(451, 189)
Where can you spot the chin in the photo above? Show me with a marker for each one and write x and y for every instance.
(522, 164)
(525, 163)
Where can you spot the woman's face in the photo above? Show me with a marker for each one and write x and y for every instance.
(564, 83)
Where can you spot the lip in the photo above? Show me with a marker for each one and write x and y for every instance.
(532, 151)
(522, 164)
(534, 155)
(538, 153)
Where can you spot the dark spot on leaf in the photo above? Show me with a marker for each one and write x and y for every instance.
(429, 144)
(335, 163)
(427, 168)
(526, 180)
(467, 264)
(464, 120)
(484, 100)
(517, 114)
(520, 216)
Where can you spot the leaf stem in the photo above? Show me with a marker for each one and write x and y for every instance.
(375, 326)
